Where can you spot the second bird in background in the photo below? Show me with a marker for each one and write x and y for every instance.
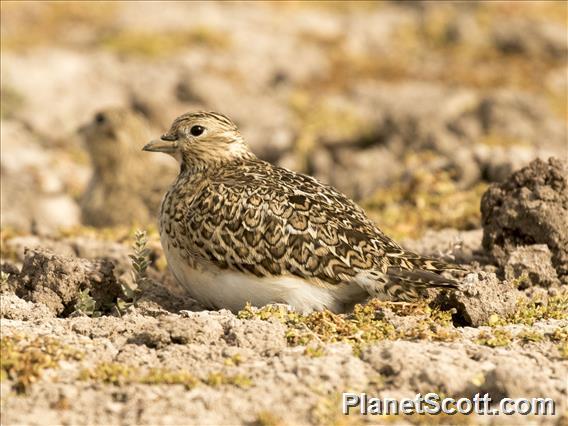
(126, 186)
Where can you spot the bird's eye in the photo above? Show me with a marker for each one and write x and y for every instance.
(197, 130)
(100, 118)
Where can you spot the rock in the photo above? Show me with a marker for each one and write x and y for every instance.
(33, 196)
(375, 167)
(14, 308)
(480, 296)
(496, 163)
(476, 135)
(16, 246)
(531, 265)
(405, 118)
(261, 336)
(518, 117)
(197, 328)
(29, 73)
(535, 39)
(531, 207)
(8, 282)
(56, 212)
(539, 377)
(57, 281)
(422, 366)
(161, 293)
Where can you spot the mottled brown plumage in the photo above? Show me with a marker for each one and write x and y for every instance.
(230, 213)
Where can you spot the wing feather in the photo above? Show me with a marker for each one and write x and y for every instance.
(267, 221)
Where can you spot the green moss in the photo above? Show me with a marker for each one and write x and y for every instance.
(530, 311)
(365, 325)
(314, 351)
(33, 24)
(425, 201)
(23, 361)
(236, 359)
(560, 335)
(154, 44)
(500, 140)
(109, 372)
(495, 338)
(527, 336)
(267, 418)
(121, 374)
(216, 379)
(167, 377)
(359, 328)
(563, 349)
(522, 280)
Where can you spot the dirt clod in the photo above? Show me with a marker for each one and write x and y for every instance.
(531, 207)
(57, 281)
(481, 296)
(531, 266)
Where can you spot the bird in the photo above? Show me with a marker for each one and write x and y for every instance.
(126, 187)
(236, 229)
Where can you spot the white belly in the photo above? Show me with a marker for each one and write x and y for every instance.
(219, 288)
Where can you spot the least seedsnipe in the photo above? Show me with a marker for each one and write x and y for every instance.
(236, 229)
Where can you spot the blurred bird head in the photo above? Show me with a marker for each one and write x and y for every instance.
(112, 135)
(201, 140)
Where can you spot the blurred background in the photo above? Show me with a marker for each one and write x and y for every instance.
(411, 108)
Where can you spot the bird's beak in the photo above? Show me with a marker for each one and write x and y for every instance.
(160, 145)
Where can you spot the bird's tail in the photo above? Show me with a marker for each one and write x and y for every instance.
(414, 275)
(435, 265)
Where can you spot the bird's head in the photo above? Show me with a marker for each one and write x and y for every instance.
(112, 136)
(201, 140)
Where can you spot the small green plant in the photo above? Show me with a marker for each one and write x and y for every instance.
(140, 260)
(86, 305)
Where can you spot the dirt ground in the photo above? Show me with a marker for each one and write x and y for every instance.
(445, 121)
(165, 360)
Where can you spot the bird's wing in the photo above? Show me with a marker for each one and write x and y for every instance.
(266, 221)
